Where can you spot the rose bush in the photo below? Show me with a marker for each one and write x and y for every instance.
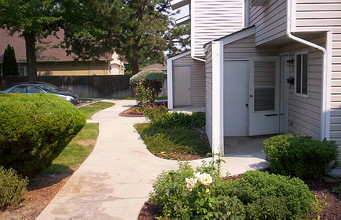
(198, 193)
(201, 193)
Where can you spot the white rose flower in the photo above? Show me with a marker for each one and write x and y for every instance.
(191, 183)
(205, 179)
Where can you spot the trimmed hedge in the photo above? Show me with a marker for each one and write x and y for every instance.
(300, 156)
(147, 76)
(12, 188)
(151, 79)
(34, 129)
(271, 196)
(180, 120)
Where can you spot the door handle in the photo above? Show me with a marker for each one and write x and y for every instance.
(269, 115)
(247, 105)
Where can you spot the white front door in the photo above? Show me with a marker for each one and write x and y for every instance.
(182, 85)
(264, 111)
(236, 83)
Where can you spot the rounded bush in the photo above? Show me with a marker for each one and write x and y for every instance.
(151, 79)
(34, 129)
(271, 196)
(183, 194)
(147, 76)
(300, 156)
(12, 188)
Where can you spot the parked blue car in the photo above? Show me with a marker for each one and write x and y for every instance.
(41, 87)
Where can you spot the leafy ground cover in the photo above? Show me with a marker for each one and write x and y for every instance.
(331, 202)
(173, 143)
(42, 188)
(91, 109)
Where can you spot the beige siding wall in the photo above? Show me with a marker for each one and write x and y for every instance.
(322, 16)
(245, 48)
(197, 78)
(304, 112)
(318, 15)
(214, 19)
(270, 20)
(72, 68)
(208, 72)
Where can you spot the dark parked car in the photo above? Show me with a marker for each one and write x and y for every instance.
(41, 87)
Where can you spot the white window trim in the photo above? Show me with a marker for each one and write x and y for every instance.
(295, 91)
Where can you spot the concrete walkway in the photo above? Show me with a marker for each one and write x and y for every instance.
(115, 180)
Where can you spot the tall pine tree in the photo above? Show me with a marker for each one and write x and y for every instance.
(10, 66)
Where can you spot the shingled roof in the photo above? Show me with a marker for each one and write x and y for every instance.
(49, 53)
(156, 66)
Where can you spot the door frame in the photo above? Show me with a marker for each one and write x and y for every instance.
(284, 93)
(284, 73)
(190, 84)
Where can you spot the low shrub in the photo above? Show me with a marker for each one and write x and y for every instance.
(173, 143)
(300, 156)
(271, 196)
(151, 79)
(144, 97)
(337, 189)
(195, 194)
(34, 129)
(176, 119)
(201, 193)
(12, 188)
(155, 111)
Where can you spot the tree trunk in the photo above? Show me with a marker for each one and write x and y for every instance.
(135, 66)
(30, 43)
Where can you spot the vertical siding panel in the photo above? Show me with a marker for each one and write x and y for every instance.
(323, 16)
(304, 112)
(208, 94)
(214, 19)
(270, 20)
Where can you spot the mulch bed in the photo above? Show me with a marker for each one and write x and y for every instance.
(41, 190)
(131, 112)
(321, 188)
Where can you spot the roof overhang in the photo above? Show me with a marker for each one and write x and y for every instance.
(234, 36)
(179, 3)
(180, 55)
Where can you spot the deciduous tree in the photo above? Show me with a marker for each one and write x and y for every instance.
(33, 20)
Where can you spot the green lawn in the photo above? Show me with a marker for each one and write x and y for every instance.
(173, 143)
(76, 151)
(81, 146)
(91, 109)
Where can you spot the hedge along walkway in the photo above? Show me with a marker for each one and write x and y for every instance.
(115, 180)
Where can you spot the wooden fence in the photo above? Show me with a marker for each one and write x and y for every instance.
(112, 86)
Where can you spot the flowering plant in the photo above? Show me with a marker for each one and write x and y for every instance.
(201, 193)
(189, 193)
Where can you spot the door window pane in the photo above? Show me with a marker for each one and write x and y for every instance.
(301, 81)
(264, 86)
